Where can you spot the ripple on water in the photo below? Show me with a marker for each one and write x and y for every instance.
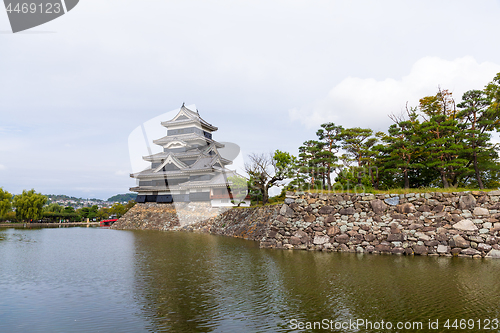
(91, 280)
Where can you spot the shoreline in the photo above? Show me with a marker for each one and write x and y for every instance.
(24, 225)
(455, 224)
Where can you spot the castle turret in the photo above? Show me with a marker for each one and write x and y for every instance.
(189, 168)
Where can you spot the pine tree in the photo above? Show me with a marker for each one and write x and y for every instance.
(329, 135)
(358, 143)
(399, 155)
(492, 91)
(478, 120)
(310, 161)
(442, 137)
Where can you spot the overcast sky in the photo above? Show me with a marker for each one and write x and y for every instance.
(267, 73)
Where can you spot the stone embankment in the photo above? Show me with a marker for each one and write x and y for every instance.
(463, 224)
(248, 223)
(446, 224)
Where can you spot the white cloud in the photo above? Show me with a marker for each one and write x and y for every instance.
(368, 102)
(2, 167)
(122, 173)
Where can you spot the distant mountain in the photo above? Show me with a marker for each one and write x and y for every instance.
(123, 197)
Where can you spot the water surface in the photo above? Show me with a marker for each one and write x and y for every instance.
(101, 280)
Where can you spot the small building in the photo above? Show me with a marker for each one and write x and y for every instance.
(190, 167)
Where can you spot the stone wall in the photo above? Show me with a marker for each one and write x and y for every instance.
(246, 223)
(154, 216)
(445, 224)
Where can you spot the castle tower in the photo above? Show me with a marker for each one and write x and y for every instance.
(190, 167)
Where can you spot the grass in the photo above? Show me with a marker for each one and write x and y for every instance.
(390, 191)
(405, 191)
(261, 205)
(429, 190)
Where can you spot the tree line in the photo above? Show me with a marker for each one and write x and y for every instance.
(437, 143)
(32, 206)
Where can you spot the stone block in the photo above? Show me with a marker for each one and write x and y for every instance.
(470, 252)
(396, 237)
(320, 240)
(295, 240)
(343, 248)
(420, 249)
(378, 206)
(431, 243)
(309, 218)
(326, 210)
(493, 254)
(459, 241)
(286, 211)
(333, 231)
(405, 208)
(383, 248)
(480, 211)
(438, 209)
(421, 236)
(484, 247)
(424, 208)
(398, 250)
(347, 211)
(442, 249)
(467, 202)
(342, 239)
(300, 234)
(392, 201)
(370, 237)
(465, 225)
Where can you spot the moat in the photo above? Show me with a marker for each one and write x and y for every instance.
(101, 280)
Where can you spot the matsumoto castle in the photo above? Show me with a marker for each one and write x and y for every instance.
(190, 167)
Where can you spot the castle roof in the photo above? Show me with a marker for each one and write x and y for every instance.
(186, 116)
(184, 139)
(195, 152)
(204, 163)
(220, 180)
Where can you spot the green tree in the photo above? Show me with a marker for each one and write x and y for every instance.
(53, 208)
(398, 154)
(310, 162)
(29, 205)
(442, 137)
(266, 171)
(5, 203)
(118, 209)
(330, 137)
(238, 186)
(492, 91)
(93, 212)
(358, 143)
(130, 204)
(69, 210)
(479, 119)
(103, 213)
(83, 212)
